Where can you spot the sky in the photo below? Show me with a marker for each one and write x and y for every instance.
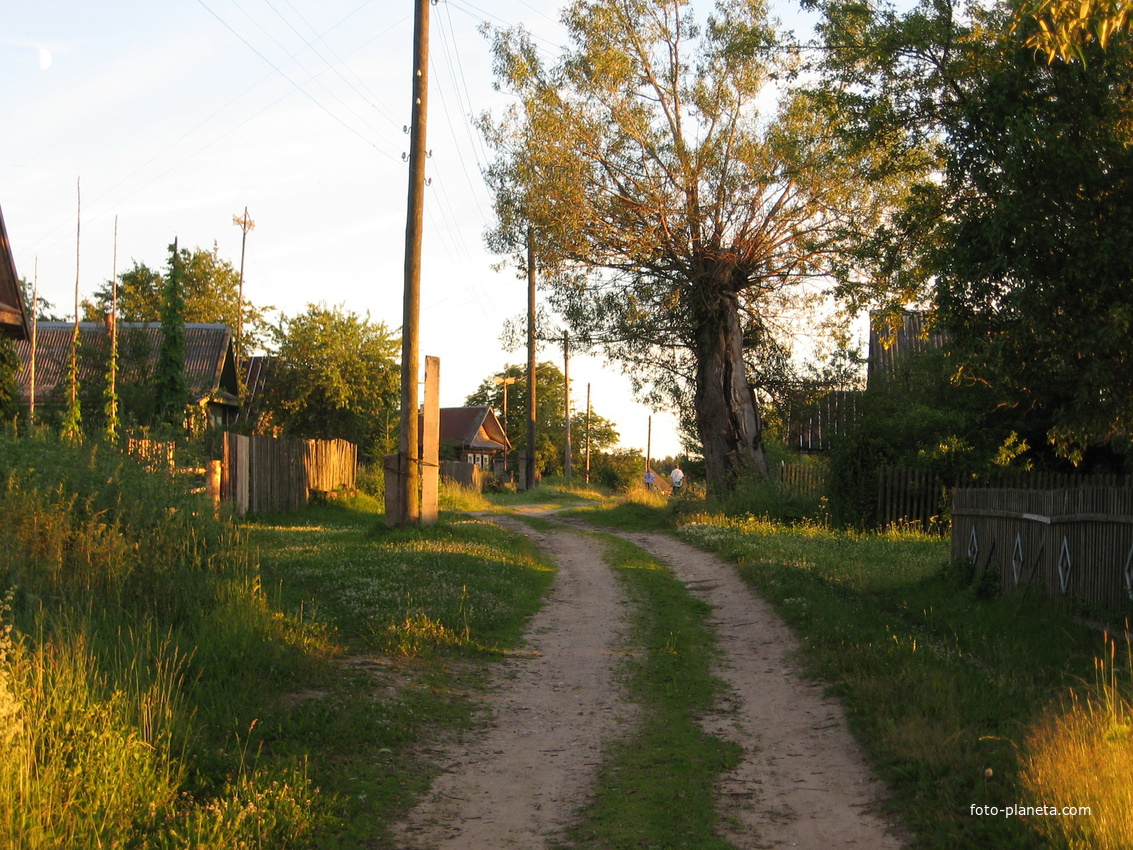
(171, 118)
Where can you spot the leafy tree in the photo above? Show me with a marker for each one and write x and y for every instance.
(1062, 29)
(1024, 223)
(210, 288)
(337, 376)
(551, 428)
(9, 366)
(675, 220)
(171, 392)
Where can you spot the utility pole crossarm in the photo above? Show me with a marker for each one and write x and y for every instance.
(245, 224)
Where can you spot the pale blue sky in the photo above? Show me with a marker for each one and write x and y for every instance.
(177, 115)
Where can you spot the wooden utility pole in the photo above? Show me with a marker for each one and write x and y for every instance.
(588, 433)
(34, 333)
(505, 381)
(649, 444)
(566, 405)
(409, 457)
(245, 224)
(530, 472)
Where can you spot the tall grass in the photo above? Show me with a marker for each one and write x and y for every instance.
(132, 623)
(1080, 754)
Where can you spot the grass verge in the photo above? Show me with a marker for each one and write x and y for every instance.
(942, 686)
(654, 789)
(420, 613)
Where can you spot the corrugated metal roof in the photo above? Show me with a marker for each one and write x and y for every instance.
(13, 315)
(209, 368)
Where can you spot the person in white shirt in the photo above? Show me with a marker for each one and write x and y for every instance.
(677, 477)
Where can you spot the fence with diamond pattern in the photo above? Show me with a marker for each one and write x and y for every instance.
(1064, 543)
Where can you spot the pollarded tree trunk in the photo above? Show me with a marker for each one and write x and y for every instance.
(727, 418)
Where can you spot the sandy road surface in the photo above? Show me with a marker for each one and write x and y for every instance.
(518, 783)
(802, 782)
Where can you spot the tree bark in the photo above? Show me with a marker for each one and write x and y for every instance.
(727, 418)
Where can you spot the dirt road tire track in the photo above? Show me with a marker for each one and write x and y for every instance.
(803, 781)
(519, 782)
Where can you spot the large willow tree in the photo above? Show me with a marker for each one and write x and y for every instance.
(677, 205)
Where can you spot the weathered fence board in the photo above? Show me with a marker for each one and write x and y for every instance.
(909, 496)
(153, 453)
(462, 473)
(268, 474)
(1070, 542)
(806, 480)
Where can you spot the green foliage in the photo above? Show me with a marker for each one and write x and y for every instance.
(549, 409)
(1020, 216)
(210, 287)
(10, 406)
(71, 426)
(142, 652)
(918, 417)
(171, 391)
(337, 376)
(620, 470)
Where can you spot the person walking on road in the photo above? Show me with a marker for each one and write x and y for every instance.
(677, 477)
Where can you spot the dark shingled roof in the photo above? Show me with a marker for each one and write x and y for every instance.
(13, 316)
(473, 428)
(210, 369)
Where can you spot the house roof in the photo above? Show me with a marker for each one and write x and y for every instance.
(13, 315)
(210, 369)
(473, 428)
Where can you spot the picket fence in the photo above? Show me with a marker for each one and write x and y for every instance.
(268, 474)
(1071, 542)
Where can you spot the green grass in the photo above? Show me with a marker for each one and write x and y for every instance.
(941, 684)
(553, 491)
(636, 511)
(654, 788)
(157, 691)
(421, 613)
(136, 647)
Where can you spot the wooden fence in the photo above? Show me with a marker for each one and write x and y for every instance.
(1067, 543)
(805, 480)
(464, 474)
(907, 496)
(268, 475)
(153, 453)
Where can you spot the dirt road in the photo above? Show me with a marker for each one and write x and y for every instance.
(802, 782)
(518, 783)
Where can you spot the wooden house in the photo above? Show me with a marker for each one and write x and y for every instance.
(210, 362)
(475, 434)
(891, 343)
(13, 314)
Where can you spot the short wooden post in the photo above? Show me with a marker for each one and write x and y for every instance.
(431, 442)
(212, 481)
